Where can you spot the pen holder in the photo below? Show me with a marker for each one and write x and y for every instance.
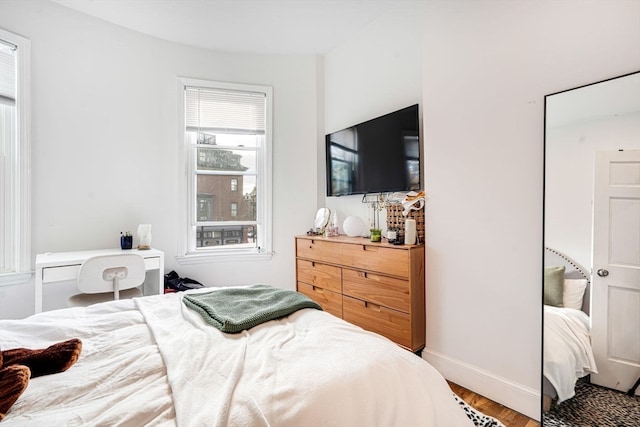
(126, 242)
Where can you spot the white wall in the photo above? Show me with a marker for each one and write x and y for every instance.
(569, 168)
(104, 140)
(487, 67)
(376, 72)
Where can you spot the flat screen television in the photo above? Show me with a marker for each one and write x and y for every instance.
(381, 155)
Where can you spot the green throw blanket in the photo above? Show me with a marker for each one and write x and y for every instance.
(233, 310)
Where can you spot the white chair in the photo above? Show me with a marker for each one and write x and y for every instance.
(109, 277)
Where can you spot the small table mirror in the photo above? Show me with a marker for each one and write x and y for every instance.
(322, 217)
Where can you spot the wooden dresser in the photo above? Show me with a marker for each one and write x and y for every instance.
(377, 286)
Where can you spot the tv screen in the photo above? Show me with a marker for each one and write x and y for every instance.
(378, 156)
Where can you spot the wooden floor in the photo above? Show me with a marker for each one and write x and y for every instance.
(506, 416)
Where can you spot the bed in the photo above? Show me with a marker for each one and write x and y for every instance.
(567, 352)
(154, 361)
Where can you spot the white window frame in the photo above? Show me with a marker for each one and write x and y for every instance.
(20, 209)
(187, 252)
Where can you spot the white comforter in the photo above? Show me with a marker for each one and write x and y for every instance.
(152, 361)
(567, 349)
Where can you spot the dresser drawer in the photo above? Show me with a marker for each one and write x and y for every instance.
(330, 302)
(320, 275)
(390, 323)
(376, 258)
(318, 250)
(382, 290)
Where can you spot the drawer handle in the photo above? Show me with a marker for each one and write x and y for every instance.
(313, 264)
(363, 274)
(369, 248)
(372, 306)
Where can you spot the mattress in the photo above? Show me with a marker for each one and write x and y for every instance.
(153, 361)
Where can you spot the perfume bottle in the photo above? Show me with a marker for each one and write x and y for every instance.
(334, 220)
(328, 230)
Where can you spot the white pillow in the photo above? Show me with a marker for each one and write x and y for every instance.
(573, 293)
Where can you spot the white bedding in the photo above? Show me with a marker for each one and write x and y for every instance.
(567, 349)
(152, 361)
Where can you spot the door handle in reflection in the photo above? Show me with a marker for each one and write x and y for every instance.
(602, 272)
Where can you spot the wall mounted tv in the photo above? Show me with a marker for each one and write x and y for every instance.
(378, 156)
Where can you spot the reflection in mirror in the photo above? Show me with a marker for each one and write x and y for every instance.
(592, 243)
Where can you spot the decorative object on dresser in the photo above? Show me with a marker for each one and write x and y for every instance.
(353, 226)
(396, 219)
(320, 222)
(377, 286)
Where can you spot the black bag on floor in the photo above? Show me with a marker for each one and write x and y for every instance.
(177, 283)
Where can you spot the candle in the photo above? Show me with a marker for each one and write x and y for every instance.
(410, 231)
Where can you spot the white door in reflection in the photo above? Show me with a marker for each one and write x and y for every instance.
(616, 263)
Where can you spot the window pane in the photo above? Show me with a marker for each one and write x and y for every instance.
(9, 149)
(7, 183)
(218, 159)
(214, 198)
(232, 236)
(227, 140)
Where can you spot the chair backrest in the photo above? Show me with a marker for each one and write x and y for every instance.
(98, 274)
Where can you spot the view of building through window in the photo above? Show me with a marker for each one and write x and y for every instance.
(226, 186)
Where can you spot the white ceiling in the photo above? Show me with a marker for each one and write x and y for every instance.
(247, 26)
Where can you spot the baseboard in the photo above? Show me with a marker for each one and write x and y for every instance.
(514, 396)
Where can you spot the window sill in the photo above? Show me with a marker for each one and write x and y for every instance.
(201, 258)
(10, 279)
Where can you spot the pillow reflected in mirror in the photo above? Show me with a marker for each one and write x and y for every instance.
(554, 285)
(574, 293)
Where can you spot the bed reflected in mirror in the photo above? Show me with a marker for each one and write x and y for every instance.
(591, 334)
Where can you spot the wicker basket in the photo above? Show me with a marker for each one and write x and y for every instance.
(395, 220)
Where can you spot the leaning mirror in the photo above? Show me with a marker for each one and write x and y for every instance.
(322, 217)
(592, 241)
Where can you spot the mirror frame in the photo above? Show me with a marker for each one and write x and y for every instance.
(544, 208)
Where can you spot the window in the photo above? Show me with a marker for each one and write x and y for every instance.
(15, 218)
(227, 140)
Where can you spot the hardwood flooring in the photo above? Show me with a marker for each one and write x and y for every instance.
(506, 416)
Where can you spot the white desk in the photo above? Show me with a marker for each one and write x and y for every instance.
(61, 266)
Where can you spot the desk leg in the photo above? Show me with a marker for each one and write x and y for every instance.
(161, 275)
(38, 290)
